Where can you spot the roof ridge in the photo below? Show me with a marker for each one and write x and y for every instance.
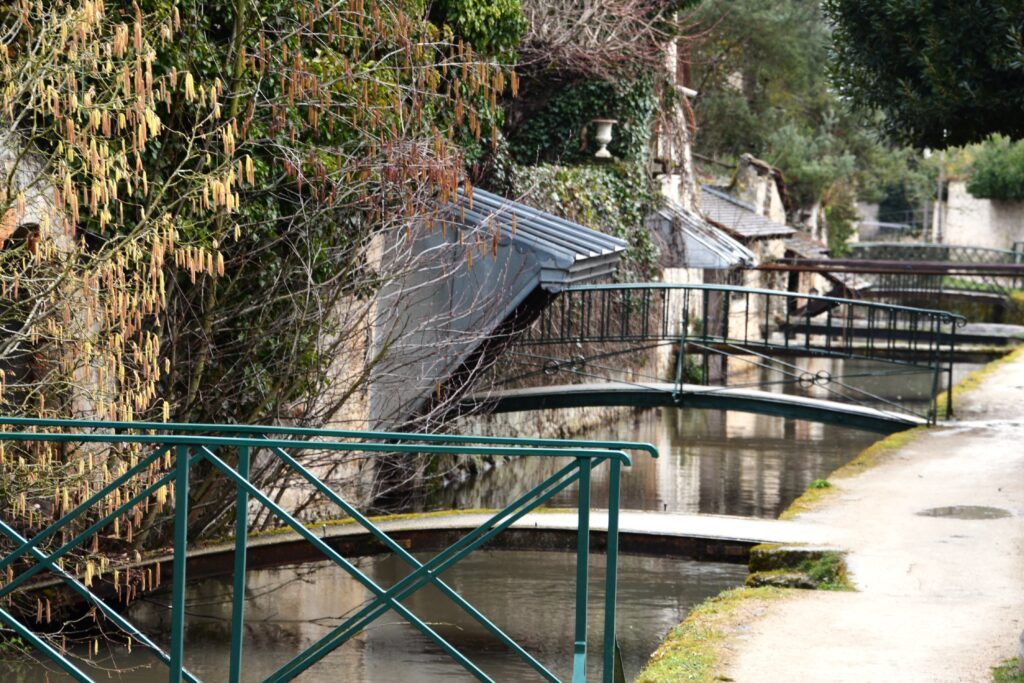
(722, 194)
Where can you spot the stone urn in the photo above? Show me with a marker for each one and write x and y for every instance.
(604, 136)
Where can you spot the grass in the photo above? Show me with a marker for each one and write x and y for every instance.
(828, 571)
(865, 460)
(972, 380)
(1008, 672)
(693, 650)
(874, 454)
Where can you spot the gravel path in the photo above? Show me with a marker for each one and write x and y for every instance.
(939, 599)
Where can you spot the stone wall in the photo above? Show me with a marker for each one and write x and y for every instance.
(757, 184)
(981, 222)
(564, 423)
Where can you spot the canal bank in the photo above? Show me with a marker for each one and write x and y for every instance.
(934, 533)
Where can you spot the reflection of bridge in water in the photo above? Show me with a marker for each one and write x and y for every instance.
(692, 339)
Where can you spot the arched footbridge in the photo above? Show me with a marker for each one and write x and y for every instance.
(718, 347)
(696, 396)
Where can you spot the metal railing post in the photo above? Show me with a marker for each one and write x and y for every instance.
(705, 333)
(238, 589)
(611, 572)
(177, 651)
(579, 656)
(680, 378)
(933, 412)
(949, 371)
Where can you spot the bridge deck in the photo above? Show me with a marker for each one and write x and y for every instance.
(717, 538)
(651, 394)
(727, 536)
(991, 334)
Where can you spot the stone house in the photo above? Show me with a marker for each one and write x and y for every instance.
(763, 237)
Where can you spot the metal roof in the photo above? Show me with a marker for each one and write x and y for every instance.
(703, 245)
(805, 246)
(732, 214)
(569, 253)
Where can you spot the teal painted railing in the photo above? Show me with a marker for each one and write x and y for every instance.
(169, 452)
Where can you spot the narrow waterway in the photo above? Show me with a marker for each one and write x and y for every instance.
(712, 462)
(716, 462)
(529, 594)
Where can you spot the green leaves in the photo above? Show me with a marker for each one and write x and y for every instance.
(561, 129)
(613, 198)
(811, 160)
(943, 74)
(492, 27)
(998, 170)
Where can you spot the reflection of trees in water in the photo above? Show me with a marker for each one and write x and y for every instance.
(497, 487)
(270, 597)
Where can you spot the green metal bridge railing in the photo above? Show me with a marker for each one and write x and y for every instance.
(759, 324)
(174, 450)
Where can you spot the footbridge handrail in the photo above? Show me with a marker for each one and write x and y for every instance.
(932, 251)
(982, 270)
(717, 320)
(945, 316)
(263, 429)
(150, 467)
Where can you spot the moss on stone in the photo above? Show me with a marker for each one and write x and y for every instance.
(828, 572)
(768, 557)
(824, 568)
(693, 650)
(1008, 672)
(781, 578)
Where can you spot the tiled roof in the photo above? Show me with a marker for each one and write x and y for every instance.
(741, 218)
(805, 246)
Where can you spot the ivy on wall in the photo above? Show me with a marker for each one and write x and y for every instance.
(560, 130)
(549, 160)
(614, 198)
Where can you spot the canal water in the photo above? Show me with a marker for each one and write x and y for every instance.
(719, 462)
(711, 462)
(529, 594)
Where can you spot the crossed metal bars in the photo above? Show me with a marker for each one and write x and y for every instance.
(724, 320)
(190, 444)
(998, 271)
(928, 251)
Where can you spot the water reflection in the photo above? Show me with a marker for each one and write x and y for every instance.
(711, 462)
(530, 595)
(717, 462)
